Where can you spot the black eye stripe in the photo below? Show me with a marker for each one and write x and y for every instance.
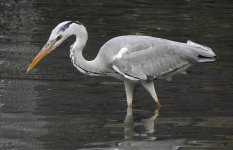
(64, 27)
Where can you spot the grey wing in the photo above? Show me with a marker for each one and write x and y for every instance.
(160, 60)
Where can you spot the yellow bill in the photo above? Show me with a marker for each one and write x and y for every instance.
(45, 50)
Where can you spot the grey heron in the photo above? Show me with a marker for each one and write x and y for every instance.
(130, 58)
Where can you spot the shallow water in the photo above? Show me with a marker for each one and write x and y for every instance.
(56, 107)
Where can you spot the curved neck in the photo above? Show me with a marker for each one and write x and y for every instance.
(84, 66)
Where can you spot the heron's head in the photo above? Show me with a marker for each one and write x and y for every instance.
(61, 32)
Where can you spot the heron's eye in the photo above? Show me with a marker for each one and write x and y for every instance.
(59, 37)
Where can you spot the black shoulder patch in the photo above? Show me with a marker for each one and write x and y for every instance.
(151, 77)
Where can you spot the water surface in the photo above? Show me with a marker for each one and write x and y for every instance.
(56, 107)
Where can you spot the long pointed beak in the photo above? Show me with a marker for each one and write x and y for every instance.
(45, 50)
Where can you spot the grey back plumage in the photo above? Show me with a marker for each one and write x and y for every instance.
(146, 58)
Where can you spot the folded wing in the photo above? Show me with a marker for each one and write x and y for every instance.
(158, 61)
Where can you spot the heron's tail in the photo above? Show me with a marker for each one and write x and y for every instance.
(204, 53)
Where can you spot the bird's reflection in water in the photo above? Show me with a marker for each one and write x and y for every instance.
(144, 137)
(148, 124)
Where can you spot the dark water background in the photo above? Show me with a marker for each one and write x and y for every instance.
(56, 107)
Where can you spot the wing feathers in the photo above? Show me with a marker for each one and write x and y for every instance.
(152, 62)
(153, 58)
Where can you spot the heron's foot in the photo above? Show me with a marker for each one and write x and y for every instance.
(159, 105)
(156, 112)
(157, 101)
(130, 105)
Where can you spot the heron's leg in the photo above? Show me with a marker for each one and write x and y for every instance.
(149, 86)
(129, 88)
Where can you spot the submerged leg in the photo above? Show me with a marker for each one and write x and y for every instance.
(149, 86)
(129, 88)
